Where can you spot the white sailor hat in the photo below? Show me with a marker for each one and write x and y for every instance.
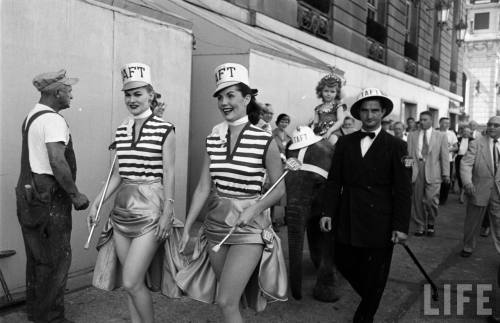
(135, 75)
(371, 93)
(302, 137)
(230, 74)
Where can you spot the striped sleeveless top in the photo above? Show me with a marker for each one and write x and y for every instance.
(142, 160)
(240, 173)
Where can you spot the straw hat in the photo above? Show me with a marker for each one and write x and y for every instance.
(302, 137)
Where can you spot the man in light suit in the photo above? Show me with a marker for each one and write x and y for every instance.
(481, 180)
(429, 150)
(481, 183)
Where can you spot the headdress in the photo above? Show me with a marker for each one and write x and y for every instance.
(335, 76)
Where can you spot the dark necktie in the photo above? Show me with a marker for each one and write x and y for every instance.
(495, 155)
(363, 134)
(425, 146)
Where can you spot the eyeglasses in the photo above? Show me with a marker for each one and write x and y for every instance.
(493, 125)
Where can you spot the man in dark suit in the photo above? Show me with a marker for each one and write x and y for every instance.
(367, 201)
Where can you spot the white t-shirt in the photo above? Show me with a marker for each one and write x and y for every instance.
(49, 127)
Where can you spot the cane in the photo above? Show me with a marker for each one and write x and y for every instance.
(435, 295)
(87, 244)
(292, 164)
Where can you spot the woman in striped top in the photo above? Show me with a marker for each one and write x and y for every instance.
(238, 153)
(143, 212)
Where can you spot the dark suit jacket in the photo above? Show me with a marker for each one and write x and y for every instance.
(368, 197)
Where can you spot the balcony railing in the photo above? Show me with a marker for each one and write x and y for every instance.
(434, 78)
(312, 20)
(376, 51)
(411, 67)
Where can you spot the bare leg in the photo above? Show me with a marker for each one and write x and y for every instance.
(217, 259)
(122, 245)
(239, 265)
(140, 253)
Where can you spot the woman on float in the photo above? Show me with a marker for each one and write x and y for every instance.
(238, 153)
(143, 212)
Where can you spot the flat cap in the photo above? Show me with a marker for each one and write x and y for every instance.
(52, 80)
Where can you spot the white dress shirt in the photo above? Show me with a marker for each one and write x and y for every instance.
(490, 140)
(366, 142)
(428, 134)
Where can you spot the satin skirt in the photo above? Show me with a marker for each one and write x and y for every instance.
(138, 207)
(268, 283)
(222, 215)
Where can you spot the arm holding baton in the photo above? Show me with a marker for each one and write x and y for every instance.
(92, 222)
(292, 164)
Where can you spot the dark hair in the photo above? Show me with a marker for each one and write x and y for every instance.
(281, 117)
(443, 118)
(330, 82)
(253, 108)
(426, 113)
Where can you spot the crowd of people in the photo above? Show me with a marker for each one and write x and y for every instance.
(382, 175)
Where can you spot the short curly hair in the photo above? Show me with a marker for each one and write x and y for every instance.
(330, 81)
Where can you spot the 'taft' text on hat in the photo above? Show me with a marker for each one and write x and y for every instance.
(135, 75)
(52, 80)
(302, 137)
(230, 74)
(371, 93)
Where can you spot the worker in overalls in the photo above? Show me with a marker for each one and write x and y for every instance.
(45, 192)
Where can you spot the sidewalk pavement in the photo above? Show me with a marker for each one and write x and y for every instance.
(403, 300)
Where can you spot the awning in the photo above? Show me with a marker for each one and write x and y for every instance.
(257, 38)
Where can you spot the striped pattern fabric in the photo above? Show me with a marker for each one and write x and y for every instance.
(242, 172)
(142, 160)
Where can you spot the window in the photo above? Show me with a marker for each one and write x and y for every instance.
(411, 21)
(482, 20)
(321, 5)
(372, 10)
(376, 11)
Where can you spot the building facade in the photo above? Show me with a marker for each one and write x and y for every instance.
(482, 59)
(404, 35)
(288, 45)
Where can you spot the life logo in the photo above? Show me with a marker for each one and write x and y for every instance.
(460, 300)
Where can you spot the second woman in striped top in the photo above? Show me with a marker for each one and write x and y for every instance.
(238, 153)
